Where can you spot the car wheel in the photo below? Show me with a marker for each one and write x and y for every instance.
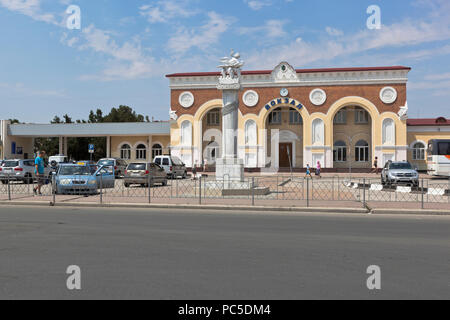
(127, 185)
(382, 181)
(164, 183)
(5, 181)
(184, 175)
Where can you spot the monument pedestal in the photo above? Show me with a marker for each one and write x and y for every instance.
(231, 169)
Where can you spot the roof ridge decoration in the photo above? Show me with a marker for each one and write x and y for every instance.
(284, 72)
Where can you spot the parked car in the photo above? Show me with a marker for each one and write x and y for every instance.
(20, 170)
(399, 173)
(54, 161)
(141, 173)
(119, 165)
(83, 179)
(173, 166)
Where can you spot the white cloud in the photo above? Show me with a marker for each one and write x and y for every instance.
(334, 32)
(258, 4)
(434, 28)
(271, 29)
(165, 11)
(442, 76)
(126, 61)
(31, 8)
(23, 90)
(201, 37)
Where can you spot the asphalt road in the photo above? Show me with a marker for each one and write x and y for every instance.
(167, 254)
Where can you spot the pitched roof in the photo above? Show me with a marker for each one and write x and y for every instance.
(254, 72)
(441, 121)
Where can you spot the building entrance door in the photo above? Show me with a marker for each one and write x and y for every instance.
(285, 155)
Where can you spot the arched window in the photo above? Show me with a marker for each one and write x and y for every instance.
(186, 133)
(125, 152)
(275, 116)
(388, 132)
(362, 151)
(295, 117)
(340, 152)
(156, 150)
(318, 132)
(250, 133)
(141, 152)
(418, 151)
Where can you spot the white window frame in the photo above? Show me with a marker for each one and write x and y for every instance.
(125, 153)
(361, 116)
(141, 153)
(340, 153)
(418, 154)
(341, 117)
(295, 118)
(275, 117)
(362, 150)
(213, 118)
(157, 151)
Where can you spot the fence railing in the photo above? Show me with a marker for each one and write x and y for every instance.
(255, 190)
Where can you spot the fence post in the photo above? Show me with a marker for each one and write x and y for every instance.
(277, 186)
(307, 192)
(253, 191)
(149, 188)
(176, 186)
(54, 188)
(332, 189)
(200, 190)
(422, 195)
(101, 189)
(448, 191)
(9, 188)
(364, 192)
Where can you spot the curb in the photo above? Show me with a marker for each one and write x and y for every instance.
(199, 207)
(230, 208)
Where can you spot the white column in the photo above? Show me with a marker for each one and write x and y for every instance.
(108, 147)
(65, 146)
(60, 151)
(150, 145)
(230, 123)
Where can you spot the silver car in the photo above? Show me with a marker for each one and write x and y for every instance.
(142, 173)
(399, 173)
(20, 170)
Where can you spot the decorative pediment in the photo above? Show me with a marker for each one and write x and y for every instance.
(284, 72)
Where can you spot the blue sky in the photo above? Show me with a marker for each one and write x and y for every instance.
(125, 48)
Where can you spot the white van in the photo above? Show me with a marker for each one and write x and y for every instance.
(173, 166)
(54, 161)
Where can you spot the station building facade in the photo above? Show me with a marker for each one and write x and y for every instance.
(293, 117)
(342, 117)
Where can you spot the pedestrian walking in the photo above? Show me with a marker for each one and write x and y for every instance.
(375, 166)
(39, 172)
(308, 171)
(318, 169)
(194, 171)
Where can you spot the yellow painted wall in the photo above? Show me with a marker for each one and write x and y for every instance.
(423, 137)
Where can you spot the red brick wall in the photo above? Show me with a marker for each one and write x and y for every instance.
(334, 93)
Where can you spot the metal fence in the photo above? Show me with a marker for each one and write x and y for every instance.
(258, 190)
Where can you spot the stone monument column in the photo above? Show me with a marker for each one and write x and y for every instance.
(230, 167)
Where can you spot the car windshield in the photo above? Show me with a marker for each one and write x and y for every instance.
(11, 164)
(396, 166)
(75, 171)
(106, 163)
(137, 166)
